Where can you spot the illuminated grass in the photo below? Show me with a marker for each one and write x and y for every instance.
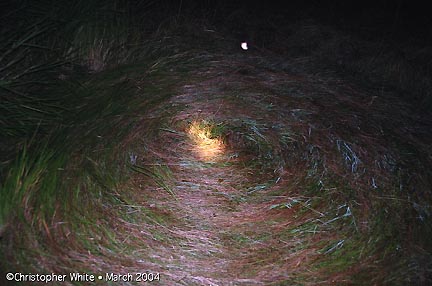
(202, 164)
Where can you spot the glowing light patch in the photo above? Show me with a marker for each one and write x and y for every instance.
(244, 46)
(206, 147)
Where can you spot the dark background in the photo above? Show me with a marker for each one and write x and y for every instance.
(401, 19)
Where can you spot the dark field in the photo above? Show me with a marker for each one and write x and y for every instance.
(139, 137)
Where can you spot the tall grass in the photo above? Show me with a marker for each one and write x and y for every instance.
(19, 191)
(61, 41)
(75, 79)
(60, 165)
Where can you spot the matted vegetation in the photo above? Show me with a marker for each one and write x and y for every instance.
(164, 149)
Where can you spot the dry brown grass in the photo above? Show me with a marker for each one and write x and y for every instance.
(220, 225)
(252, 175)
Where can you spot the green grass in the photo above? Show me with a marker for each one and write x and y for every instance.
(82, 92)
(160, 174)
(71, 178)
(28, 174)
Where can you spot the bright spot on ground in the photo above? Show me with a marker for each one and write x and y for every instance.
(206, 147)
(244, 46)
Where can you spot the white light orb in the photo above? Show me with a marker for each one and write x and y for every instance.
(244, 46)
